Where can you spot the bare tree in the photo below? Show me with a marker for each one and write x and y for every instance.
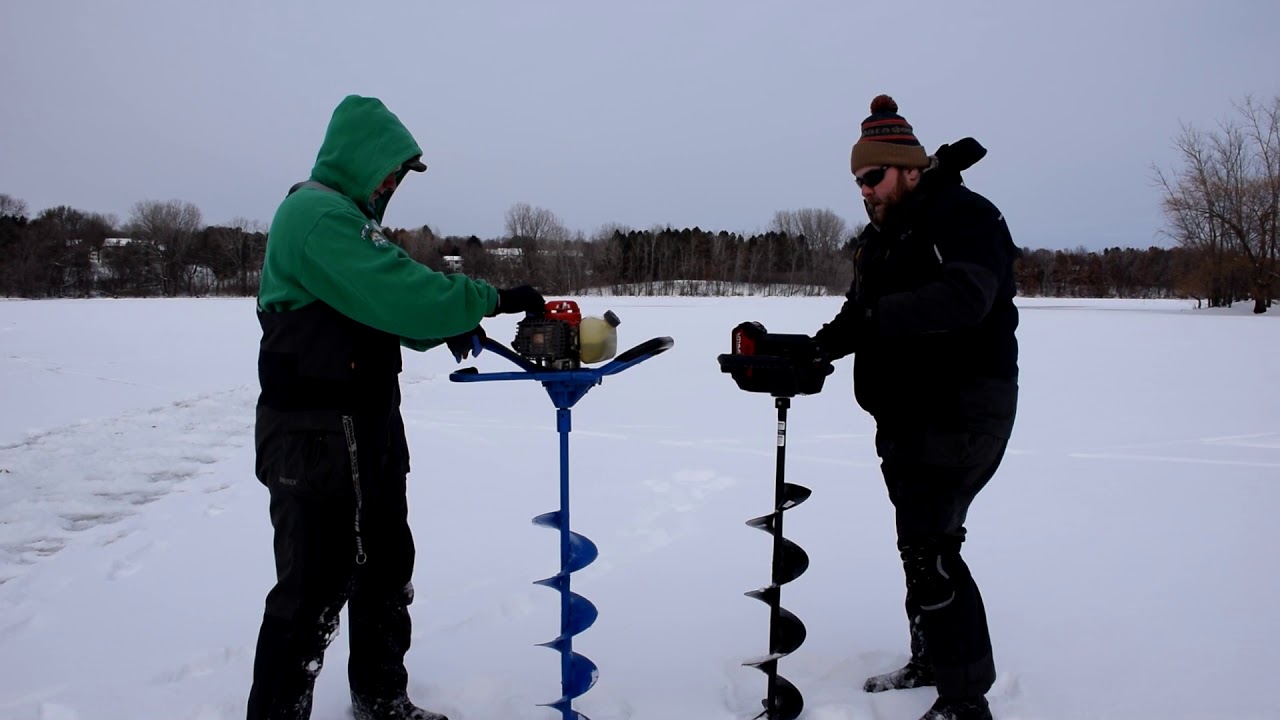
(564, 267)
(246, 225)
(817, 235)
(233, 253)
(423, 246)
(1262, 127)
(12, 206)
(18, 256)
(1192, 228)
(535, 224)
(538, 233)
(169, 230)
(53, 255)
(605, 253)
(605, 232)
(824, 231)
(1224, 202)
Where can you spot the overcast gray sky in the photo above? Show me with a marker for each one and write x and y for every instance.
(713, 113)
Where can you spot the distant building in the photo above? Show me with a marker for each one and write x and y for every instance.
(99, 255)
(506, 253)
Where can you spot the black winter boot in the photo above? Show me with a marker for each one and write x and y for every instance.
(918, 672)
(911, 675)
(958, 709)
(399, 708)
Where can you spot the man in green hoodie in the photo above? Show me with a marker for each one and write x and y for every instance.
(337, 301)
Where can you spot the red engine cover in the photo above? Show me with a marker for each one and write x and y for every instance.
(566, 310)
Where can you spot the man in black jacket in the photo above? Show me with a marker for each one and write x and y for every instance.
(930, 319)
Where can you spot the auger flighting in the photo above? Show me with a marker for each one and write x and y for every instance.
(783, 366)
(551, 348)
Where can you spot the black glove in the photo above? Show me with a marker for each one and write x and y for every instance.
(819, 357)
(467, 343)
(843, 335)
(825, 345)
(524, 298)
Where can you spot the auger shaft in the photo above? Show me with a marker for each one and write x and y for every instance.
(775, 609)
(566, 387)
(564, 426)
(786, 632)
(784, 366)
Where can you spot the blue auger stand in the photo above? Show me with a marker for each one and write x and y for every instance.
(782, 366)
(567, 387)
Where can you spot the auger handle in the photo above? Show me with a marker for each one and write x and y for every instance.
(531, 371)
(637, 354)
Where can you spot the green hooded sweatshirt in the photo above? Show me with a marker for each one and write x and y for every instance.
(328, 244)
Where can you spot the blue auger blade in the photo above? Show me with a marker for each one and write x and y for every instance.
(548, 520)
(562, 706)
(793, 563)
(581, 677)
(582, 552)
(555, 582)
(793, 495)
(582, 615)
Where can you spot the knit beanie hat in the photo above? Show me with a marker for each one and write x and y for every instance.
(887, 139)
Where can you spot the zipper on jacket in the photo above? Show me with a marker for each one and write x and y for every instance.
(348, 428)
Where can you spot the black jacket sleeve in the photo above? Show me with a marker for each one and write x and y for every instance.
(839, 337)
(971, 250)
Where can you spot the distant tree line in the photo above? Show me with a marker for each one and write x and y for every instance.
(1221, 205)
(1156, 272)
(164, 249)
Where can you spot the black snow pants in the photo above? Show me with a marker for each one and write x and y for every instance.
(932, 478)
(342, 537)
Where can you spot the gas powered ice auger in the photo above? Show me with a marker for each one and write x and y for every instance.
(551, 349)
(783, 366)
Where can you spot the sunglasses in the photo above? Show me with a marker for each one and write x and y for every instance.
(872, 178)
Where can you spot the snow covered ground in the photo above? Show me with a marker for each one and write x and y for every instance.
(1126, 550)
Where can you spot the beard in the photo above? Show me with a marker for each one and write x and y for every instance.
(881, 209)
(380, 198)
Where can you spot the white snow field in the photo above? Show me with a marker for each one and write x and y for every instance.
(1126, 550)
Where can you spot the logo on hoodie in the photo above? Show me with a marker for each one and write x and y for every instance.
(372, 232)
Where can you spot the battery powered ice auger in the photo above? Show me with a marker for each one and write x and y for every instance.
(783, 366)
(551, 349)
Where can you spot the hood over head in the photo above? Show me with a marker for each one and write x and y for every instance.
(365, 142)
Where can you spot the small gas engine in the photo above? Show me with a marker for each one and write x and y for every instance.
(562, 339)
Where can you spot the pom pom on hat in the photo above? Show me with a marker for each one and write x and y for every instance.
(887, 139)
(883, 104)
